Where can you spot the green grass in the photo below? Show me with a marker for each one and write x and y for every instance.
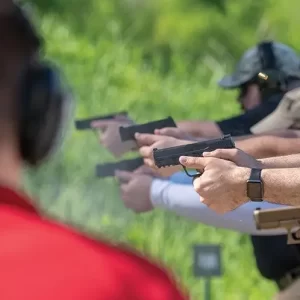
(105, 65)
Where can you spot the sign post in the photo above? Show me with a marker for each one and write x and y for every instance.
(207, 264)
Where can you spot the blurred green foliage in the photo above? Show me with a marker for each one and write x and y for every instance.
(152, 58)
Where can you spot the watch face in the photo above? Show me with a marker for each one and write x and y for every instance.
(254, 191)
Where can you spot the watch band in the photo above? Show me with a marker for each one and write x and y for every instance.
(255, 186)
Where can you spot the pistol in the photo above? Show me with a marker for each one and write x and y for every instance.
(127, 133)
(108, 170)
(170, 156)
(287, 217)
(84, 124)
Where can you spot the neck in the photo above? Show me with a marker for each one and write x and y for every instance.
(10, 168)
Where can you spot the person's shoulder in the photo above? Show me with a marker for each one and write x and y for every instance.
(151, 277)
(138, 271)
(293, 94)
(97, 262)
(275, 98)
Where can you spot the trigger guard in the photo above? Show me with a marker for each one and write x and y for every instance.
(198, 174)
(195, 176)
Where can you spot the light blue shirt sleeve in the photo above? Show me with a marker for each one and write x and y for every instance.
(184, 201)
(181, 177)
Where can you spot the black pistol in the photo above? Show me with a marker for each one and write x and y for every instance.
(108, 170)
(170, 156)
(127, 133)
(84, 124)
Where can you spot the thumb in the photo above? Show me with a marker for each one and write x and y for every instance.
(227, 154)
(140, 170)
(144, 170)
(102, 124)
(146, 139)
(124, 176)
(198, 163)
(157, 131)
(121, 118)
(167, 131)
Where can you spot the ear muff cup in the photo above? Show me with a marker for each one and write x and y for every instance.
(269, 66)
(44, 103)
(267, 56)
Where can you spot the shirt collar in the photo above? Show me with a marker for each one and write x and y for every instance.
(9, 196)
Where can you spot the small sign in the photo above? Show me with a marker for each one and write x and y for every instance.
(207, 260)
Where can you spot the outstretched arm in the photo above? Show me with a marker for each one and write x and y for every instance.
(223, 183)
(200, 128)
(268, 146)
(282, 185)
(184, 201)
(236, 126)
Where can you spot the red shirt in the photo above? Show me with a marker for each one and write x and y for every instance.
(42, 260)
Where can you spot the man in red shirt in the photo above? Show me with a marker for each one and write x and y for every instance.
(39, 258)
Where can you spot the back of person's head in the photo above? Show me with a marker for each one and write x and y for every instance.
(19, 45)
(266, 57)
(279, 67)
(33, 97)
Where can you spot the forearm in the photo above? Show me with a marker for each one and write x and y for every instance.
(282, 186)
(285, 133)
(269, 146)
(184, 201)
(288, 161)
(267, 135)
(200, 128)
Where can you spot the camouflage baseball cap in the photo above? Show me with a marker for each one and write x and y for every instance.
(285, 116)
(250, 65)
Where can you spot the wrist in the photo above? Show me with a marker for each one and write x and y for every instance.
(243, 175)
(264, 174)
(262, 164)
(237, 183)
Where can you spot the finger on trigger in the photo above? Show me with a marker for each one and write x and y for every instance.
(139, 170)
(146, 139)
(123, 176)
(101, 124)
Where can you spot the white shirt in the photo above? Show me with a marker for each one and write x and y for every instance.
(178, 195)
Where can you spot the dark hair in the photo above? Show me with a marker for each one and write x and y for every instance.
(28, 29)
(18, 25)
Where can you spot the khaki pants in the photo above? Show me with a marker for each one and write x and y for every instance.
(291, 293)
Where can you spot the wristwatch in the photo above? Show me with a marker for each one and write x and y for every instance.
(255, 186)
